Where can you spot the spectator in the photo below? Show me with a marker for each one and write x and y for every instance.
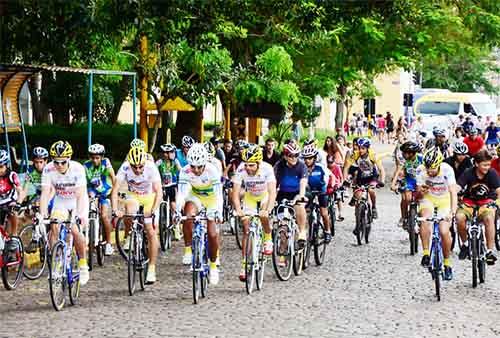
(341, 144)
(474, 142)
(467, 125)
(219, 153)
(335, 182)
(271, 156)
(389, 125)
(331, 148)
(401, 130)
(296, 131)
(458, 136)
(459, 121)
(491, 134)
(380, 128)
(228, 150)
(480, 125)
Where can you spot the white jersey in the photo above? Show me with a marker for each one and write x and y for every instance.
(439, 186)
(217, 164)
(66, 184)
(256, 184)
(203, 185)
(139, 184)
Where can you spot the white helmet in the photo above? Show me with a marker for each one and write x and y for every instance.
(460, 148)
(40, 152)
(4, 157)
(96, 149)
(197, 155)
(137, 143)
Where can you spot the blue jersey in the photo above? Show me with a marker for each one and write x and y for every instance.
(181, 158)
(318, 178)
(288, 178)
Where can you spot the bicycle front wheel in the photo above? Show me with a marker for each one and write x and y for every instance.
(298, 258)
(57, 276)
(122, 238)
(91, 244)
(360, 213)
(74, 279)
(250, 263)
(163, 226)
(101, 245)
(474, 260)
(282, 253)
(196, 266)
(319, 244)
(13, 261)
(412, 235)
(261, 268)
(497, 232)
(35, 252)
(131, 262)
(238, 231)
(436, 275)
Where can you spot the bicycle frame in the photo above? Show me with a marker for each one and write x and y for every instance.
(200, 238)
(66, 238)
(4, 238)
(436, 248)
(476, 230)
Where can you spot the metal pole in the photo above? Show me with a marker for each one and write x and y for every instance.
(89, 116)
(4, 125)
(25, 148)
(134, 103)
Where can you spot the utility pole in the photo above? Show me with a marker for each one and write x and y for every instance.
(143, 119)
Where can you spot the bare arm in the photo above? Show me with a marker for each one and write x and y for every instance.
(158, 191)
(271, 188)
(44, 200)
(235, 197)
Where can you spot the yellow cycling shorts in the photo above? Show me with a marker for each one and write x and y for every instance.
(147, 200)
(250, 202)
(209, 202)
(483, 211)
(443, 205)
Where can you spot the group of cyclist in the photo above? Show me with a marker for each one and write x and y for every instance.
(449, 180)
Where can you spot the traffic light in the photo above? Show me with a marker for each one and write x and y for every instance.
(407, 100)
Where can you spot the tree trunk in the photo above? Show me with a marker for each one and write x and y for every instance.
(339, 117)
(40, 115)
(118, 100)
(152, 143)
(185, 125)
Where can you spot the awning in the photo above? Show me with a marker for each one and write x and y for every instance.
(176, 104)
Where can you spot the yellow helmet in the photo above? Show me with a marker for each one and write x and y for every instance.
(433, 158)
(252, 154)
(136, 156)
(61, 149)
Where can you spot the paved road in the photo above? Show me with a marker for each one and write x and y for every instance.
(372, 290)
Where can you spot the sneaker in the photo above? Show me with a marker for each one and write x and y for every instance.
(217, 261)
(340, 219)
(464, 252)
(448, 273)
(374, 213)
(108, 251)
(352, 202)
(84, 275)
(187, 258)
(151, 276)
(268, 248)
(126, 244)
(281, 261)
(214, 275)
(491, 258)
(426, 261)
(328, 237)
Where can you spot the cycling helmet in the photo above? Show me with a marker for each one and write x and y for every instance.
(252, 154)
(309, 151)
(241, 144)
(167, 148)
(438, 132)
(187, 141)
(97, 149)
(4, 157)
(136, 156)
(197, 155)
(291, 149)
(433, 158)
(364, 142)
(460, 148)
(473, 131)
(40, 152)
(410, 147)
(61, 149)
(210, 148)
(138, 143)
(310, 142)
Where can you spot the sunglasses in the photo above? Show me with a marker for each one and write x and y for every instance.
(293, 155)
(137, 167)
(63, 162)
(250, 165)
(199, 167)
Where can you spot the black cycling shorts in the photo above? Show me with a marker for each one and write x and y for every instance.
(169, 193)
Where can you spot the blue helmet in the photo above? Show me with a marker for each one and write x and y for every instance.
(364, 142)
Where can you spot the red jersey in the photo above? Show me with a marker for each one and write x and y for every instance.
(8, 185)
(495, 164)
(474, 145)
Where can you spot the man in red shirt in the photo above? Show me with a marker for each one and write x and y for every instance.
(495, 163)
(474, 142)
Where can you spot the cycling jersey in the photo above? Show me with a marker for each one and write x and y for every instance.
(461, 167)
(474, 145)
(8, 187)
(256, 185)
(470, 182)
(438, 194)
(317, 178)
(179, 155)
(443, 147)
(66, 184)
(33, 182)
(366, 166)
(410, 172)
(288, 178)
(169, 171)
(139, 184)
(99, 178)
(217, 164)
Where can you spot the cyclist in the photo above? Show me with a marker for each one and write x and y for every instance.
(181, 154)
(138, 143)
(211, 156)
(481, 186)
(259, 185)
(169, 168)
(439, 141)
(235, 161)
(11, 192)
(474, 141)
(318, 176)
(495, 163)
(66, 179)
(437, 188)
(144, 188)
(408, 172)
(291, 178)
(100, 179)
(366, 170)
(460, 161)
(33, 179)
(335, 184)
(200, 187)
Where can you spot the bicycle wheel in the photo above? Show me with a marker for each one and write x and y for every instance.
(412, 235)
(453, 237)
(319, 244)
(13, 262)
(35, 252)
(261, 269)
(163, 227)
(436, 274)
(196, 266)
(481, 267)
(142, 261)
(497, 232)
(250, 263)
(360, 212)
(57, 276)
(474, 260)
(333, 217)
(91, 243)
(282, 253)
(238, 231)
(298, 259)
(121, 238)
(204, 272)
(309, 243)
(74, 280)
(368, 223)
(131, 262)
(100, 249)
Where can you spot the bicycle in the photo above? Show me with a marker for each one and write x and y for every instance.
(137, 258)
(286, 254)
(64, 272)
(410, 222)
(166, 225)
(11, 255)
(95, 235)
(255, 260)
(199, 245)
(316, 233)
(497, 228)
(363, 213)
(228, 215)
(337, 196)
(122, 232)
(436, 252)
(477, 246)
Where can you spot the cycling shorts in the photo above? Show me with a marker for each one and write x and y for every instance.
(250, 202)
(146, 200)
(409, 184)
(283, 195)
(61, 207)
(371, 180)
(169, 193)
(102, 197)
(441, 203)
(207, 202)
(484, 211)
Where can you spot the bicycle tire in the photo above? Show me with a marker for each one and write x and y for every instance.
(262, 268)
(298, 260)
(437, 275)
(163, 226)
(238, 231)
(101, 245)
(368, 221)
(141, 264)
(319, 244)
(359, 211)
(15, 269)
(281, 236)
(57, 276)
(481, 267)
(204, 273)
(333, 217)
(453, 234)
(40, 253)
(196, 274)
(74, 284)
(474, 261)
(249, 263)
(120, 237)
(309, 243)
(91, 244)
(497, 232)
(131, 270)
(412, 234)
